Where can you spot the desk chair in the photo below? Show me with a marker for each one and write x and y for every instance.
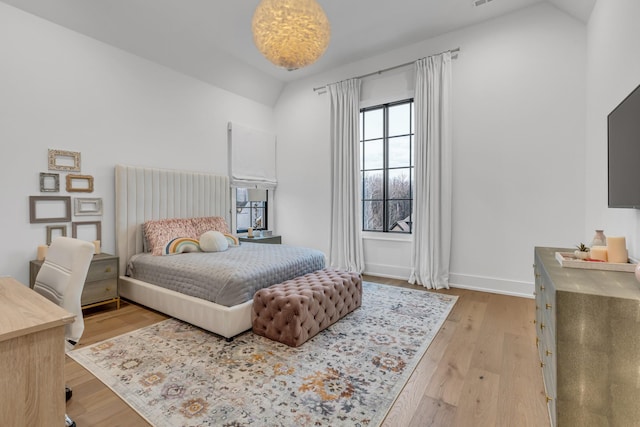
(61, 280)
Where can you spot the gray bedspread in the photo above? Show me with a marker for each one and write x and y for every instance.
(227, 278)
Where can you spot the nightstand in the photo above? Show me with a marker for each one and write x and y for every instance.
(274, 240)
(101, 286)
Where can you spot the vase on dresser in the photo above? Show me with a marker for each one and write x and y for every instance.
(599, 239)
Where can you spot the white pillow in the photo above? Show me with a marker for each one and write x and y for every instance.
(213, 241)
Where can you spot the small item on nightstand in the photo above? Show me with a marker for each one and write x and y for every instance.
(42, 252)
(96, 244)
(599, 239)
(617, 250)
(599, 253)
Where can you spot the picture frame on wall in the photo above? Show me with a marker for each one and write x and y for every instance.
(86, 230)
(87, 206)
(54, 231)
(79, 183)
(49, 182)
(63, 160)
(49, 209)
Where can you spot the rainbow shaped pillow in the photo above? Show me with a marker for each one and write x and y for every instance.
(181, 245)
(233, 240)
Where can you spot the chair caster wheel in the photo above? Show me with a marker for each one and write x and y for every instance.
(68, 422)
(68, 392)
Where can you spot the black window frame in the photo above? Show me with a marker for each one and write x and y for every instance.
(386, 227)
(264, 205)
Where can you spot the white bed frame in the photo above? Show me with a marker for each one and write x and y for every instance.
(144, 194)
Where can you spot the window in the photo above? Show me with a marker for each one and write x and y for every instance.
(251, 209)
(386, 147)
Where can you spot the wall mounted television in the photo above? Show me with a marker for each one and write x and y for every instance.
(623, 147)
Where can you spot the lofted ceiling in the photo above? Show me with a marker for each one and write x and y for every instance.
(211, 39)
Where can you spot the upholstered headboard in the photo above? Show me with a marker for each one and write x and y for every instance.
(144, 194)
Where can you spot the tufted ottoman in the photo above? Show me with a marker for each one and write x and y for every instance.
(293, 311)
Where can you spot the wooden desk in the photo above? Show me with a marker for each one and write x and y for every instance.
(32, 357)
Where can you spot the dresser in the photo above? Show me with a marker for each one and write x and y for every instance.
(588, 339)
(32, 349)
(101, 286)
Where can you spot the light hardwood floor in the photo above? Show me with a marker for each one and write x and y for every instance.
(482, 368)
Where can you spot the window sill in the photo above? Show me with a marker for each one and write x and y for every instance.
(390, 237)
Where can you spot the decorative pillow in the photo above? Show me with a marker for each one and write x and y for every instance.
(206, 223)
(181, 245)
(160, 232)
(233, 240)
(213, 241)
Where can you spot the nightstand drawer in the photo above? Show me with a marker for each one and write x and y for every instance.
(100, 290)
(102, 270)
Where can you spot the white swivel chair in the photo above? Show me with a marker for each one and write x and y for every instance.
(61, 280)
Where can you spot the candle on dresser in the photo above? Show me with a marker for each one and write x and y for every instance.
(96, 245)
(617, 249)
(598, 252)
(42, 252)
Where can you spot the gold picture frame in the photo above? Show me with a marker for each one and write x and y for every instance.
(62, 160)
(79, 183)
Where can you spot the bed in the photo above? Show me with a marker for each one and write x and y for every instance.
(221, 305)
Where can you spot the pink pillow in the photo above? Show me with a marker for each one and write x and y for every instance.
(160, 232)
(209, 223)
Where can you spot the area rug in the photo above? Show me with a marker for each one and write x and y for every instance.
(174, 374)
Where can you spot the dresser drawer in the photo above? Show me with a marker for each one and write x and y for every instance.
(102, 270)
(99, 290)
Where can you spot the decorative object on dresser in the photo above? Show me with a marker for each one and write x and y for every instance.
(274, 240)
(101, 286)
(599, 239)
(587, 338)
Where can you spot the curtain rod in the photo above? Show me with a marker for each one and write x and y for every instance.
(453, 51)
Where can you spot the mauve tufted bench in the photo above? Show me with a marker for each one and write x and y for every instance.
(291, 312)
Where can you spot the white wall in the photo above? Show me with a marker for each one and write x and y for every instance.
(613, 72)
(519, 158)
(62, 90)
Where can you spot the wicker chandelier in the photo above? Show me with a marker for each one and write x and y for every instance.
(290, 33)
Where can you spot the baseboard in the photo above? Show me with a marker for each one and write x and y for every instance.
(462, 281)
(491, 284)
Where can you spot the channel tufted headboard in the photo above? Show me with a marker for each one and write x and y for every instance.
(144, 194)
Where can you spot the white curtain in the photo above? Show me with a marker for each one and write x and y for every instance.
(345, 250)
(431, 249)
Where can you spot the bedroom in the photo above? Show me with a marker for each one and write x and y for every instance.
(532, 89)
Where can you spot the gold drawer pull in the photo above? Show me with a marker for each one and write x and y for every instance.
(541, 365)
(107, 289)
(542, 325)
(548, 306)
(537, 275)
(548, 353)
(549, 399)
(537, 341)
(535, 321)
(107, 270)
(541, 288)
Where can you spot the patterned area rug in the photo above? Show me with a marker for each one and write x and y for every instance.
(175, 374)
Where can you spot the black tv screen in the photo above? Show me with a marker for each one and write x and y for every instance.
(623, 125)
